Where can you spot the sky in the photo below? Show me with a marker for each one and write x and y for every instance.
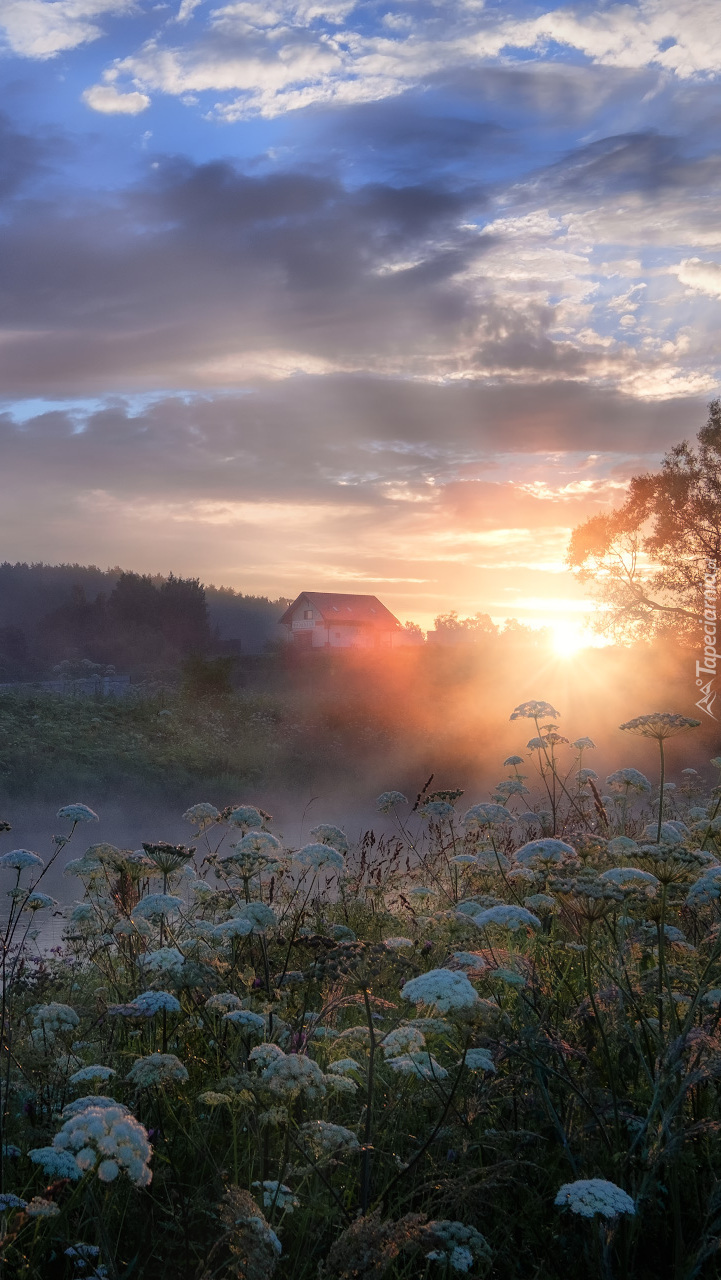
(374, 297)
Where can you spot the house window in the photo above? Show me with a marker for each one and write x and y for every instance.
(307, 613)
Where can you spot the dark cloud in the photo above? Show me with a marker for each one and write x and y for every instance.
(317, 438)
(204, 260)
(411, 134)
(23, 157)
(640, 163)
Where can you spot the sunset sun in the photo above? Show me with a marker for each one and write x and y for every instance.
(567, 638)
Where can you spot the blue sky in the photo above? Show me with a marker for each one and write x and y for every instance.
(378, 297)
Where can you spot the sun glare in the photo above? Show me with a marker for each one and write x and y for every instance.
(568, 638)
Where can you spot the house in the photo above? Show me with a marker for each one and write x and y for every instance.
(331, 620)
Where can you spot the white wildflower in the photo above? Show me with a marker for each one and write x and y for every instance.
(156, 905)
(150, 1003)
(293, 1075)
(590, 1196)
(436, 809)
(544, 853)
(8, 1202)
(429, 1026)
(342, 1066)
(40, 1208)
(469, 960)
(202, 815)
(341, 1084)
(56, 1164)
(81, 912)
(222, 1002)
(706, 889)
(238, 927)
(341, 933)
(460, 1245)
(265, 1054)
(164, 960)
(53, 1019)
(329, 1139)
(159, 1068)
(389, 800)
(403, 1040)
(542, 903)
(39, 902)
(321, 857)
(260, 915)
(254, 853)
(508, 917)
(84, 866)
(630, 779)
(246, 815)
(479, 1060)
(534, 711)
(88, 1074)
(83, 1254)
(631, 878)
(78, 813)
(325, 833)
(276, 1194)
(622, 847)
(421, 1065)
(212, 1099)
(672, 832)
(19, 859)
(443, 989)
(108, 1139)
(487, 815)
(246, 1020)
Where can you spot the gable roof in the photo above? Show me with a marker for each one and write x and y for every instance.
(335, 606)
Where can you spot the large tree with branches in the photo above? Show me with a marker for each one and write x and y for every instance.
(647, 561)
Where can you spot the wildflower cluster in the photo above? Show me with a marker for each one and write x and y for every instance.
(464, 1010)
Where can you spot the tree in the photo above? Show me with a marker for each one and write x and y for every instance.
(134, 601)
(647, 561)
(184, 614)
(464, 630)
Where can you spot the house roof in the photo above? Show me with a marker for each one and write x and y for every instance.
(336, 607)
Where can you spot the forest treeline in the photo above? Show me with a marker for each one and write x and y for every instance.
(52, 614)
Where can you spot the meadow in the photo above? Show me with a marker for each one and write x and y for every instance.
(483, 1042)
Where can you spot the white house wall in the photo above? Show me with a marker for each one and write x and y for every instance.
(341, 635)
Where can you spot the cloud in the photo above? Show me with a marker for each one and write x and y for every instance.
(684, 38)
(205, 275)
(44, 28)
(704, 277)
(24, 157)
(106, 99)
(274, 58)
(309, 481)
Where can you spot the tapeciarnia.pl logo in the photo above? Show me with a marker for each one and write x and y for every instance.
(708, 666)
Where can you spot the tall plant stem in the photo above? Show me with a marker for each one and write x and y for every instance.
(368, 1127)
(660, 791)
